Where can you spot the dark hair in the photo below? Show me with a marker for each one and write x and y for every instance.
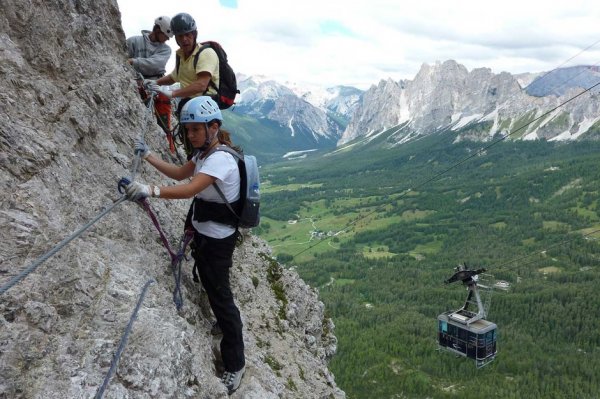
(224, 138)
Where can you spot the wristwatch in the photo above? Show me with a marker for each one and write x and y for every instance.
(156, 191)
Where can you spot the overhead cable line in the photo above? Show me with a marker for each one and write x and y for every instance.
(462, 161)
(554, 86)
(558, 244)
(564, 63)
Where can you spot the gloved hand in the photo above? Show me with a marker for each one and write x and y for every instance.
(160, 89)
(149, 82)
(137, 191)
(141, 148)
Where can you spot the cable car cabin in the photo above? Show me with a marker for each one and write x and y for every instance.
(476, 340)
(465, 332)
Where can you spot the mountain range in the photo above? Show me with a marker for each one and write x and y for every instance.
(442, 97)
(312, 117)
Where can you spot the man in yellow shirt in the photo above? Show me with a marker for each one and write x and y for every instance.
(198, 75)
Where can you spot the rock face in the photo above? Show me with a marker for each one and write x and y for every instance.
(69, 114)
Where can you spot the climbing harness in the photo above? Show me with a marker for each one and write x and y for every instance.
(117, 356)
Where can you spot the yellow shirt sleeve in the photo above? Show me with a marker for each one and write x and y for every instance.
(208, 61)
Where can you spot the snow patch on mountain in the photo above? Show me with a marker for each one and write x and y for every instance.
(297, 154)
(583, 127)
(466, 120)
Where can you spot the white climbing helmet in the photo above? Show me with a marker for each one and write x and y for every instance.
(164, 23)
(200, 109)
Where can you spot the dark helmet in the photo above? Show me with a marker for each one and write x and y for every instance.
(182, 23)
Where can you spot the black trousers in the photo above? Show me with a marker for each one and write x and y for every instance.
(213, 261)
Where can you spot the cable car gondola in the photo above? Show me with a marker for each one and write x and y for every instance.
(464, 332)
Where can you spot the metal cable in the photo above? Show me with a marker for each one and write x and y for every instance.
(57, 248)
(117, 356)
(558, 244)
(455, 165)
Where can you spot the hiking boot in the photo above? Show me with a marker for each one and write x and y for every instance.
(232, 380)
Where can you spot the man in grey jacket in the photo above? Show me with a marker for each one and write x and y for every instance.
(149, 53)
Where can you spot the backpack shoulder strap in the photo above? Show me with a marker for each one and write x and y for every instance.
(226, 148)
(203, 46)
(217, 49)
(224, 199)
(236, 155)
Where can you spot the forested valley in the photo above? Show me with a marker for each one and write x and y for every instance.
(378, 229)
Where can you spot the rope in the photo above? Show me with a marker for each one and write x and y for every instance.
(152, 108)
(176, 258)
(117, 356)
(57, 248)
(146, 205)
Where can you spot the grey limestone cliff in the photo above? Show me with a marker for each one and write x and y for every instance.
(69, 114)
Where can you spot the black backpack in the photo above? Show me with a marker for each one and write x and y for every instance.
(227, 89)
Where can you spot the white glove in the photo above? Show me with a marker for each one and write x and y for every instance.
(141, 148)
(149, 82)
(160, 89)
(137, 191)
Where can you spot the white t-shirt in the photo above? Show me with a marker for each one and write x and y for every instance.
(223, 166)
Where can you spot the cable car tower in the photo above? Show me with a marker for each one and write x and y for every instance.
(465, 332)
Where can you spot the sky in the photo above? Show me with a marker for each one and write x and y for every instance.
(360, 42)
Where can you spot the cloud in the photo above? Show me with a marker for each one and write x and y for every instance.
(363, 41)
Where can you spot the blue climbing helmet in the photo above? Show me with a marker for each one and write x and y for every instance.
(201, 109)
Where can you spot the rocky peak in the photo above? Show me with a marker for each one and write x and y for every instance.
(69, 115)
(446, 96)
(264, 98)
(389, 109)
